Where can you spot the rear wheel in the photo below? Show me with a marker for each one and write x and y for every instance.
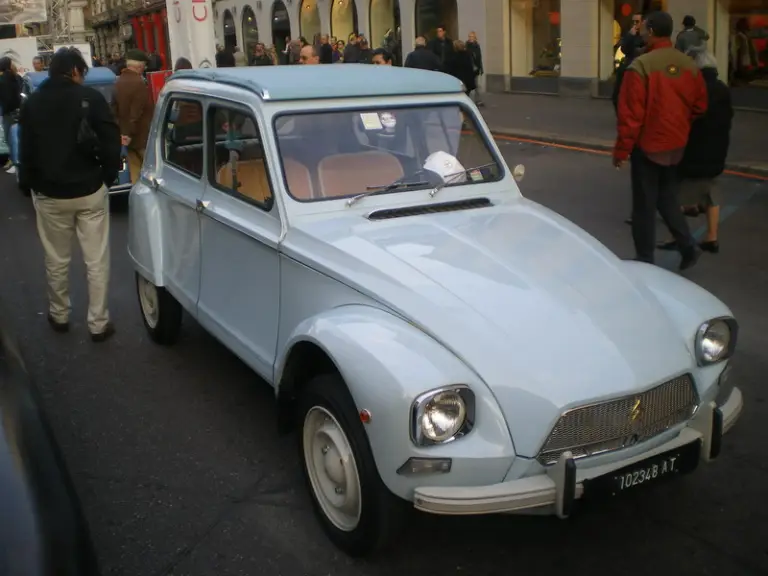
(160, 311)
(359, 514)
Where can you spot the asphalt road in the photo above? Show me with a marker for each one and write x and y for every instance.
(181, 471)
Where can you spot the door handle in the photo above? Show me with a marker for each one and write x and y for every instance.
(201, 205)
(157, 182)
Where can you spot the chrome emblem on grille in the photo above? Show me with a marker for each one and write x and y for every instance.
(636, 411)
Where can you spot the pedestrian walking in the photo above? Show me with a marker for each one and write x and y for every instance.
(133, 109)
(422, 57)
(662, 91)
(442, 47)
(705, 154)
(11, 87)
(691, 35)
(473, 46)
(632, 45)
(70, 149)
(461, 66)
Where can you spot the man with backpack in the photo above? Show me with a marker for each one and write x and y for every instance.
(69, 150)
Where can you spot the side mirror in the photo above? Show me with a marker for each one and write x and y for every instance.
(518, 173)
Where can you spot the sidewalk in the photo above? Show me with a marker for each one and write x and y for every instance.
(591, 123)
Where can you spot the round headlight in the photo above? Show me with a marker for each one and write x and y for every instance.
(443, 416)
(714, 341)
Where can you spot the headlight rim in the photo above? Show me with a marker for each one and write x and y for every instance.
(417, 408)
(732, 325)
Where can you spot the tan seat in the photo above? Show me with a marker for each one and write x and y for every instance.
(251, 177)
(298, 179)
(348, 174)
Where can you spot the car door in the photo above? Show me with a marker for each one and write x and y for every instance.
(240, 231)
(180, 185)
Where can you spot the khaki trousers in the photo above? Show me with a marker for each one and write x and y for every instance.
(57, 222)
(135, 160)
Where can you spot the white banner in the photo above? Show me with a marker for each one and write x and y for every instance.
(190, 26)
(85, 50)
(21, 50)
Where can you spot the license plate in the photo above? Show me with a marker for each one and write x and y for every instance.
(649, 471)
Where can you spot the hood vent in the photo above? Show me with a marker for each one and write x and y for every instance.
(454, 206)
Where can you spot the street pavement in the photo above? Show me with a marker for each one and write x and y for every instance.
(591, 122)
(175, 453)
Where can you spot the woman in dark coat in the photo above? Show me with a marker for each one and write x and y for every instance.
(463, 67)
(706, 151)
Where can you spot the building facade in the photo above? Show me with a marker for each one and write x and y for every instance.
(244, 22)
(569, 47)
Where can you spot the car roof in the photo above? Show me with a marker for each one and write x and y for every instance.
(276, 83)
(96, 76)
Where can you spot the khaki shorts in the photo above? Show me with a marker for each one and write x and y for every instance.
(699, 192)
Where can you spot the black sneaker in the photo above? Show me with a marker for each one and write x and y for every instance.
(690, 257)
(108, 332)
(60, 327)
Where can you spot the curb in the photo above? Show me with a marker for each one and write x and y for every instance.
(588, 144)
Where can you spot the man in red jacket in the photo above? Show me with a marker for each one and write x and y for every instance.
(661, 94)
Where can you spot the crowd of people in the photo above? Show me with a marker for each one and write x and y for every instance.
(461, 59)
(674, 120)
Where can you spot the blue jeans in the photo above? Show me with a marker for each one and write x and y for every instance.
(7, 123)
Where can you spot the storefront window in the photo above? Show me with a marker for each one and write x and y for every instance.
(230, 35)
(250, 31)
(748, 43)
(546, 38)
(433, 13)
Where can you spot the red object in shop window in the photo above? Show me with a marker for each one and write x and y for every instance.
(156, 81)
(626, 9)
(554, 18)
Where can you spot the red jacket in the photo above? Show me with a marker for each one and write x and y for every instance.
(661, 94)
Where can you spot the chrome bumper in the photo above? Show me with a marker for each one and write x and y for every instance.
(563, 482)
(120, 188)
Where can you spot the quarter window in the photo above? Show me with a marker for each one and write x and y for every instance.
(236, 153)
(183, 136)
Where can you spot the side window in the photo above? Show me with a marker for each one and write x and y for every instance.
(237, 164)
(183, 136)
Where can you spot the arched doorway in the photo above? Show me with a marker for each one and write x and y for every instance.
(385, 27)
(250, 31)
(230, 34)
(310, 20)
(433, 13)
(343, 19)
(281, 26)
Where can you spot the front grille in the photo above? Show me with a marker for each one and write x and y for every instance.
(623, 422)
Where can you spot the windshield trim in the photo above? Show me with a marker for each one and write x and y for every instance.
(482, 131)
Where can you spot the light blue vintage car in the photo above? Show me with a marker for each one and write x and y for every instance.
(354, 235)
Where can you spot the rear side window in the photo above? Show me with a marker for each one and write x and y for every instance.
(183, 136)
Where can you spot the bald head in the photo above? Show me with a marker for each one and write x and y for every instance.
(309, 55)
(421, 41)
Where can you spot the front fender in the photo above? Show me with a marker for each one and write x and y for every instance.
(145, 238)
(386, 363)
(689, 306)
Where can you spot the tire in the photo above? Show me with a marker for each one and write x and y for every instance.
(330, 424)
(160, 312)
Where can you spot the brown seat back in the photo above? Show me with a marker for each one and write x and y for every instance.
(348, 174)
(298, 179)
(251, 177)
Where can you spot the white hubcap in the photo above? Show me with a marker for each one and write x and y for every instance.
(332, 468)
(150, 305)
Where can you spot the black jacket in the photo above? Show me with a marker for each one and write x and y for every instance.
(443, 49)
(10, 92)
(462, 67)
(710, 136)
(225, 59)
(423, 59)
(52, 161)
(477, 56)
(326, 54)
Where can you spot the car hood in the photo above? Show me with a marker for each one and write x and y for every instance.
(546, 315)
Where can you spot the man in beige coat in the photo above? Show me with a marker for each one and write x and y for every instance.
(133, 108)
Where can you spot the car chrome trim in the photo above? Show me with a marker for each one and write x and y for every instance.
(734, 328)
(621, 422)
(419, 209)
(466, 394)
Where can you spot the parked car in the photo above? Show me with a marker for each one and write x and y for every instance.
(103, 80)
(42, 528)
(354, 235)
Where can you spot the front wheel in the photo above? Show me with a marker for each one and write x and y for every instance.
(359, 514)
(160, 311)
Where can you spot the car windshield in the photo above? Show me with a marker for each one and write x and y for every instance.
(341, 154)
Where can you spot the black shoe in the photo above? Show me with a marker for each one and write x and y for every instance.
(60, 327)
(109, 331)
(690, 257)
(671, 245)
(712, 246)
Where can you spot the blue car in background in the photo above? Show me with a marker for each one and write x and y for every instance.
(103, 80)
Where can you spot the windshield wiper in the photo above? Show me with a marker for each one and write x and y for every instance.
(450, 178)
(373, 190)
